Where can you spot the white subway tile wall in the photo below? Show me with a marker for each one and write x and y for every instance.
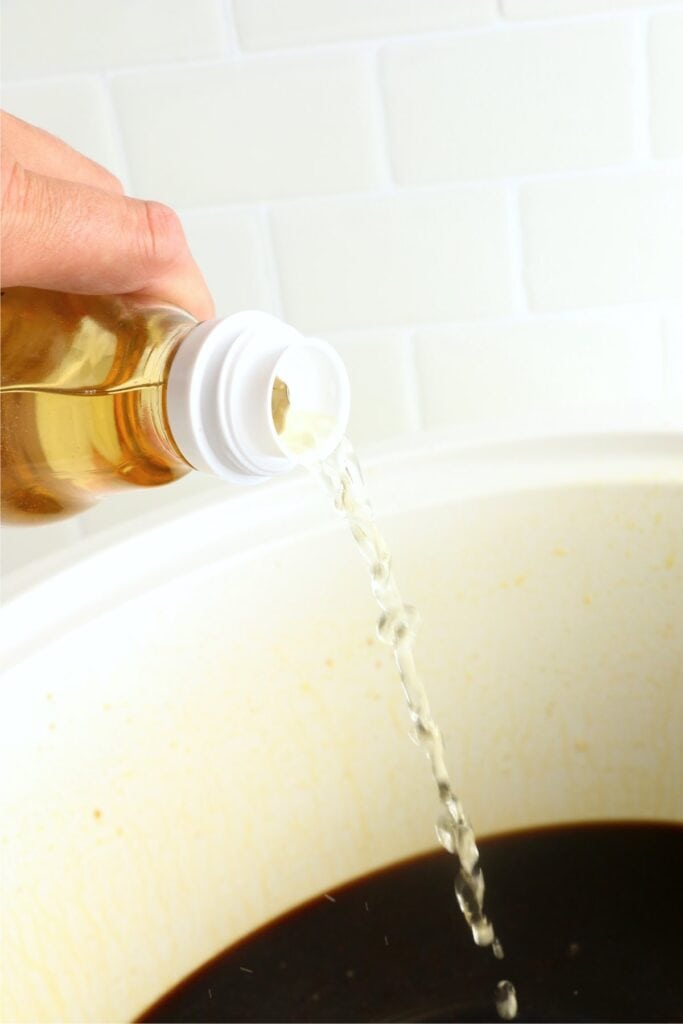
(381, 372)
(76, 109)
(232, 247)
(598, 241)
(269, 24)
(254, 130)
(43, 38)
(508, 370)
(479, 202)
(394, 259)
(666, 71)
(517, 99)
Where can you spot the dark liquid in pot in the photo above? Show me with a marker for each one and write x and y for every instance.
(591, 917)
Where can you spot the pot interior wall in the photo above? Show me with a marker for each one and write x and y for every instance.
(216, 749)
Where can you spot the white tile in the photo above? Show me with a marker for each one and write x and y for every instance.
(265, 128)
(22, 546)
(230, 247)
(404, 259)
(43, 37)
(75, 110)
(501, 103)
(496, 372)
(554, 8)
(381, 373)
(605, 240)
(666, 70)
(277, 23)
(673, 357)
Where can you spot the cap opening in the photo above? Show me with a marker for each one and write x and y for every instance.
(309, 401)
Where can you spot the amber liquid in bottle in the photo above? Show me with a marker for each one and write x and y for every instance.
(82, 400)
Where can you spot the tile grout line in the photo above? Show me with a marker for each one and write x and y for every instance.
(623, 312)
(117, 131)
(230, 27)
(500, 23)
(579, 17)
(381, 135)
(415, 398)
(641, 98)
(274, 277)
(517, 265)
(666, 359)
(620, 171)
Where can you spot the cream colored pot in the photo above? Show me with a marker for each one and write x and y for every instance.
(200, 730)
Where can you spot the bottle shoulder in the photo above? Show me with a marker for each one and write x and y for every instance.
(65, 342)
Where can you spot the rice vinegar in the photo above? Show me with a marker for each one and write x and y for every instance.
(102, 393)
(397, 627)
(82, 408)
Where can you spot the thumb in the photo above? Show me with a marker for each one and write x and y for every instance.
(74, 237)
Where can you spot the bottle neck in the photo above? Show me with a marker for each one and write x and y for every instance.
(234, 386)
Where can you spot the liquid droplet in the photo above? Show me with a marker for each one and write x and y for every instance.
(380, 573)
(506, 1000)
(483, 933)
(397, 627)
(445, 834)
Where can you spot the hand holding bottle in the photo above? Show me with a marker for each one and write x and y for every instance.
(67, 226)
(114, 372)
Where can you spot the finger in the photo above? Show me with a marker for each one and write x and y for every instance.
(43, 153)
(69, 237)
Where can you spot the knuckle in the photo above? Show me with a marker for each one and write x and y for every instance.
(13, 187)
(24, 213)
(163, 236)
(12, 177)
(109, 182)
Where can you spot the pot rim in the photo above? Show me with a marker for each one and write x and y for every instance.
(643, 444)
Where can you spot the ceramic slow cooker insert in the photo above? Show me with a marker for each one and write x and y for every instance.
(200, 730)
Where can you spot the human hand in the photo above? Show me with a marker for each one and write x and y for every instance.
(67, 226)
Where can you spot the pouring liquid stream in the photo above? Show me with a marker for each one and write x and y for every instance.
(397, 626)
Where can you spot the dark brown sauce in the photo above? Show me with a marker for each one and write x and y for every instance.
(590, 915)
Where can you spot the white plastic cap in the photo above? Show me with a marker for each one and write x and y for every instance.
(220, 396)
